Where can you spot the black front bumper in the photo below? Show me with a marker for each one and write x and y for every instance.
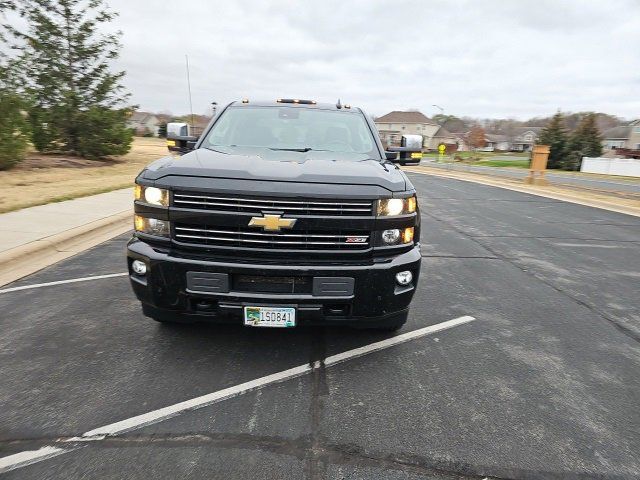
(375, 299)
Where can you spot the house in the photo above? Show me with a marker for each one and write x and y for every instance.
(625, 136)
(144, 123)
(524, 138)
(393, 125)
(462, 141)
(442, 135)
(495, 142)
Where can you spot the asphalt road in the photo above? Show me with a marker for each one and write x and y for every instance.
(579, 180)
(545, 382)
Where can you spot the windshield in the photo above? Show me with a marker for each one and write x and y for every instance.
(294, 129)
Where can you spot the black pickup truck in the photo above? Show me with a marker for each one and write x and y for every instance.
(285, 213)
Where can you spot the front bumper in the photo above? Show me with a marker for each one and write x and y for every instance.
(375, 297)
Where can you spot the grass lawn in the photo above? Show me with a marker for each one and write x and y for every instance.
(44, 179)
(504, 163)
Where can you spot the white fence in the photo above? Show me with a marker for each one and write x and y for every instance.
(629, 167)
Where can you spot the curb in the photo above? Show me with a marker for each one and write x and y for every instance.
(26, 259)
(565, 197)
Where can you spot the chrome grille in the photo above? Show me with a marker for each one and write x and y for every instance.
(240, 237)
(255, 205)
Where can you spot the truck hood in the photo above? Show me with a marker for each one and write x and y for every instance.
(280, 166)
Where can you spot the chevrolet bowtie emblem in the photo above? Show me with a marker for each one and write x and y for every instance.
(272, 223)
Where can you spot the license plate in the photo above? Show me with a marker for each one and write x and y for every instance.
(279, 317)
(416, 155)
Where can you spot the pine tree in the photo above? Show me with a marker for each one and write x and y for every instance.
(14, 128)
(77, 101)
(585, 141)
(162, 130)
(555, 135)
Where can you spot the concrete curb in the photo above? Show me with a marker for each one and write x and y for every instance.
(532, 190)
(20, 261)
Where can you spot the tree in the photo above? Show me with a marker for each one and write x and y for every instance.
(14, 129)
(476, 137)
(585, 141)
(162, 130)
(555, 135)
(77, 101)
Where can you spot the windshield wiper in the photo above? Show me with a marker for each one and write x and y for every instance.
(218, 151)
(305, 149)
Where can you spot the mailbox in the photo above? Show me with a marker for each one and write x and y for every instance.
(538, 165)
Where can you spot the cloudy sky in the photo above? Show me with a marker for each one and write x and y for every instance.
(486, 58)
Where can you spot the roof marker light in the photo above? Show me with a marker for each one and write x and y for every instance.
(295, 100)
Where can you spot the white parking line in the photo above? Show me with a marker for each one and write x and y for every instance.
(23, 459)
(18, 460)
(61, 282)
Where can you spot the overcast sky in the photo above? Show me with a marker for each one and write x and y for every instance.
(485, 58)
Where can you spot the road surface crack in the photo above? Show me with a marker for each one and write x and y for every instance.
(315, 466)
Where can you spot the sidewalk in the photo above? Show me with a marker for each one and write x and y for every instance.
(35, 237)
(621, 202)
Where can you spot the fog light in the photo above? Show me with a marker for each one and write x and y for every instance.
(391, 236)
(404, 278)
(139, 267)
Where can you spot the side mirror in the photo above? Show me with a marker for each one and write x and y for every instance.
(181, 144)
(393, 156)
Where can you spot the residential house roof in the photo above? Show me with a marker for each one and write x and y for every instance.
(405, 117)
(490, 137)
(442, 132)
(523, 130)
(618, 133)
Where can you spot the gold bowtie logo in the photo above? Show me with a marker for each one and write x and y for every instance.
(272, 223)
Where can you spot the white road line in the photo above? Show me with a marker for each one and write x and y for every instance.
(199, 402)
(61, 282)
(195, 403)
(165, 413)
(587, 245)
(389, 342)
(23, 459)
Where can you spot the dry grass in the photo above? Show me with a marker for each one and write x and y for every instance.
(42, 179)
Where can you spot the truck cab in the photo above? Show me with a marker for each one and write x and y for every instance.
(281, 214)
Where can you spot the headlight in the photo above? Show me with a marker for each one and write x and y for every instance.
(151, 226)
(152, 195)
(396, 206)
(397, 236)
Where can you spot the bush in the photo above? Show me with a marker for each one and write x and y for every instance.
(103, 132)
(14, 138)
